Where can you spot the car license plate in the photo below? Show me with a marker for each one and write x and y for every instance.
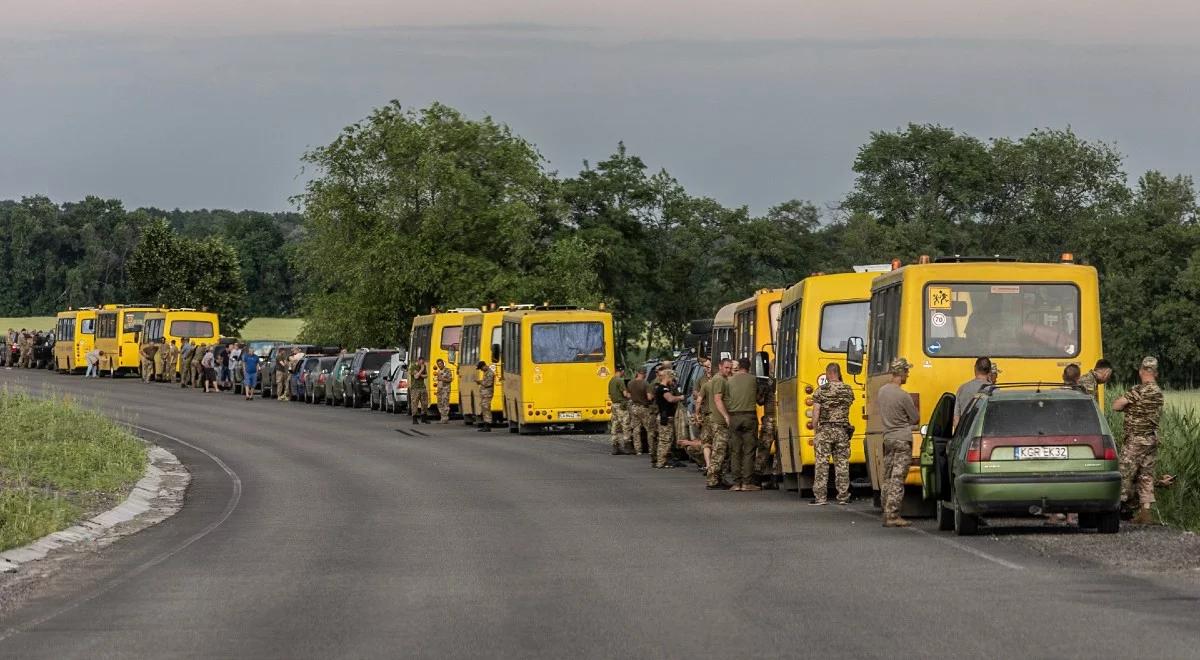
(1023, 453)
(570, 415)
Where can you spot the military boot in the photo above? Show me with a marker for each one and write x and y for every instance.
(894, 520)
(1143, 517)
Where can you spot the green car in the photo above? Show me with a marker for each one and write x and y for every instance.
(1021, 450)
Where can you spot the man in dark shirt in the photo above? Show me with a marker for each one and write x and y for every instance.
(967, 391)
(667, 397)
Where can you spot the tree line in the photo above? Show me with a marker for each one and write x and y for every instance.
(415, 208)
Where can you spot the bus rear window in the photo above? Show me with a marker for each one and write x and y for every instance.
(87, 326)
(567, 342)
(451, 337)
(1034, 417)
(841, 321)
(190, 329)
(1001, 319)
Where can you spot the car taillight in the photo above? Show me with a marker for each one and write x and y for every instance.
(974, 455)
(404, 383)
(362, 374)
(1110, 449)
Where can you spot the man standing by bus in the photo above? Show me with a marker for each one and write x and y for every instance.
(736, 404)
(619, 397)
(1099, 375)
(967, 391)
(831, 419)
(763, 468)
(719, 427)
(445, 378)
(487, 388)
(899, 416)
(1142, 407)
(641, 415)
(146, 363)
(418, 391)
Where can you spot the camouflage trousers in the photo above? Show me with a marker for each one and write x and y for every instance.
(897, 457)
(832, 440)
(763, 460)
(418, 401)
(281, 384)
(26, 361)
(146, 367)
(1138, 458)
(485, 408)
(666, 441)
(443, 403)
(642, 418)
(618, 426)
(720, 450)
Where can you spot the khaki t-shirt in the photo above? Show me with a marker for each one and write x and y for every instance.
(738, 393)
(638, 389)
(616, 390)
(897, 411)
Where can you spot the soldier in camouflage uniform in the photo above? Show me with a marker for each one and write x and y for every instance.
(146, 355)
(1142, 407)
(487, 388)
(1099, 375)
(719, 431)
(898, 415)
(700, 451)
(196, 369)
(445, 378)
(26, 355)
(641, 413)
(167, 362)
(619, 424)
(666, 398)
(831, 418)
(763, 458)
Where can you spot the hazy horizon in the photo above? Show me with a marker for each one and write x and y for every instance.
(188, 106)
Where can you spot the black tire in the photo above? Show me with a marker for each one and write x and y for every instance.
(965, 524)
(945, 517)
(1108, 523)
(1089, 521)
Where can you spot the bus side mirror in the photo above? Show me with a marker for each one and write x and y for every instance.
(762, 364)
(855, 349)
(495, 353)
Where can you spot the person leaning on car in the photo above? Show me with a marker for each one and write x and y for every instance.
(899, 416)
(1099, 375)
(967, 391)
(1142, 407)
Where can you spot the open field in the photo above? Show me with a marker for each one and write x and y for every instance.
(260, 328)
(58, 463)
(1184, 399)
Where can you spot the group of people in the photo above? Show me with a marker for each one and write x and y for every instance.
(724, 433)
(211, 367)
(732, 438)
(443, 378)
(19, 347)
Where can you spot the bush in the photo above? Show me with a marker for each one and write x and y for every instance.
(59, 462)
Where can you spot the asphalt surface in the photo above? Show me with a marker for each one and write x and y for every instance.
(328, 533)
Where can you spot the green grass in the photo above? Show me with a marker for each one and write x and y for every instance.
(1178, 455)
(260, 328)
(59, 461)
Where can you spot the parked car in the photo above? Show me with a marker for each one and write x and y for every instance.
(300, 377)
(315, 391)
(267, 379)
(1021, 451)
(334, 390)
(389, 389)
(43, 350)
(363, 369)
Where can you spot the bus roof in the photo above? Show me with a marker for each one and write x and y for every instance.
(448, 315)
(834, 286)
(522, 314)
(724, 317)
(480, 317)
(985, 271)
(752, 301)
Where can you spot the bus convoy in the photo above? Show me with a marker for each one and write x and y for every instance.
(553, 363)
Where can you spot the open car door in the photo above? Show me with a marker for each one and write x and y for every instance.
(937, 434)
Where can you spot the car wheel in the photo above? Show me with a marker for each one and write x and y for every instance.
(965, 524)
(1088, 521)
(945, 517)
(1108, 523)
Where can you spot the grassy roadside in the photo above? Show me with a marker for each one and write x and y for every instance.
(58, 462)
(1178, 455)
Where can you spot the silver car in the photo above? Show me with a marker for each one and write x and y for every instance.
(389, 390)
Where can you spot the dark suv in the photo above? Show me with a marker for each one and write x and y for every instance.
(1021, 450)
(356, 382)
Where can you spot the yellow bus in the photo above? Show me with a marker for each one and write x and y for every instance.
(438, 335)
(180, 326)
(481, 340)
(117, 330)
(820, 313)
(724, 333)
(757, 320)
(74, 336)
(1032, 319)
(557, 361)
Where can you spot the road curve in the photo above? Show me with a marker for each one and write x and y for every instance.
(351, 539)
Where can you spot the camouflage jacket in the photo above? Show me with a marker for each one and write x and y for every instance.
(488, 383)
(765, 396)
(834, 399)
(445, 377)
(1088, 383)
(1142, 413)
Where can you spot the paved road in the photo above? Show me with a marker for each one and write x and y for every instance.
(350, 539)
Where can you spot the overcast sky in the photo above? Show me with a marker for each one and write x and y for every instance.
(210, 104)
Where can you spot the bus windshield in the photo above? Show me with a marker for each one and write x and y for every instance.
(579, 341)
(840, 322)
(1001, 320)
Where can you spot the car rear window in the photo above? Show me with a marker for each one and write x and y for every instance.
(1041, 417)
(375, 360)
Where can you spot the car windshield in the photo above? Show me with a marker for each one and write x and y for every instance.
(1033, 417)
(578, 341)
(1001, 320)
